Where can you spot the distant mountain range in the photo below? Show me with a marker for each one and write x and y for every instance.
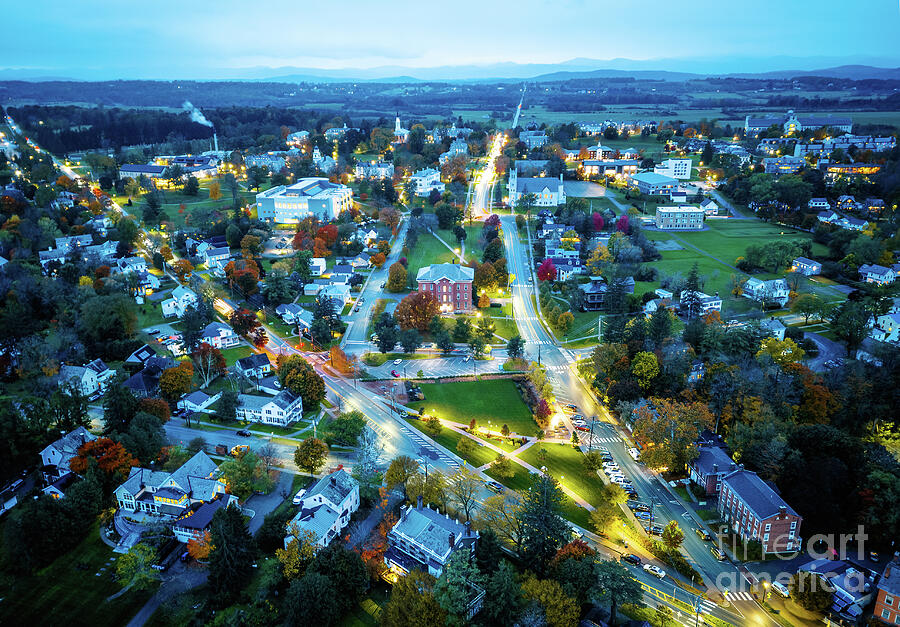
(578, 68)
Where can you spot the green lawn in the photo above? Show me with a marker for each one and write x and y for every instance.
(367, 613)
(69, 591)
(495, 402)
(150, 314)
(563, 462)
(428, 250)
(236, 352)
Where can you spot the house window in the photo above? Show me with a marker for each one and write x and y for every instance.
(768, 527)
(888, 600)
(794, 525)
(886, 614)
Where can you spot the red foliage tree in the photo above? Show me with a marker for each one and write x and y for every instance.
(328, 234)
(542, 411)
(622, 224)
(156, 407)
(546, 271)
(416, 311)
(243, 321)
(111, 458)
(598, 221)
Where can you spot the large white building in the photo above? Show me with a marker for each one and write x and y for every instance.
(280, 410)
(675, 168)
(326, 508)
(546, 191)
(427, 180)
(307, 197)
(374, 170)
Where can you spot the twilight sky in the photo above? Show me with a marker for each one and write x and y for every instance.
(191, 39)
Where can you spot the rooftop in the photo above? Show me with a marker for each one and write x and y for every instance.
(756, 493)
(450, 271)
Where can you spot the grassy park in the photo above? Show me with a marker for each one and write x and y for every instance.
(491, 403)
(72, 590)
(428, 250)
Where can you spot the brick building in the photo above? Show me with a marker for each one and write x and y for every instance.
(754, 511)
(449, 283)
(887, 602)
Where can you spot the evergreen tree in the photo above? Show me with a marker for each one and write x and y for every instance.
(690, 295)
(541, 517)
(231, 559)
(504, 596)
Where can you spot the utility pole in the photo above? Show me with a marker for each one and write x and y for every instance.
(591, 440)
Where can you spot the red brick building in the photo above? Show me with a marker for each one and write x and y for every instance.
(449, 283)
(754, 511)
(887, 602)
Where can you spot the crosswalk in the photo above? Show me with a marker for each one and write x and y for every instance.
(740, 596)
(426, 444)
(604, 440)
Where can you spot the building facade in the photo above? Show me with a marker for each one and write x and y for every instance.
(680, 218)
(754, 511)
(279, 410)
(449, 283)
(306, 198)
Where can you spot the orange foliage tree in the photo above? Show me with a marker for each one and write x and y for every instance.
(200, 548)
(182, 268)
(177, 381)
(111, 458)
(156, 407)
(416, 311)
(378, 260)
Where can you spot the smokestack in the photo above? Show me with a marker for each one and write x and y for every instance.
(215, 142)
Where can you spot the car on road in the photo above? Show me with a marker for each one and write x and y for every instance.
(153, 332)
(467, 358)
(654, 529)
(634, 453)
(703, 534)
(631, 558)
(243, 432)
(383, 284)
(781, 589)
(571, 406)
(397, 362)
(654, 570)
(299, 496)
(642, 515)
(494, 486)
(395, 374)
(637, 506)
(582, 428)
(717, 553)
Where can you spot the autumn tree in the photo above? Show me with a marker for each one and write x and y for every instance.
(209, 363)
(215, 191)
(781, 352)
(182, 269)
(672, 535)
(396, 277)
(463, 486)
(399, 472)
(156, 407)
(560, 610)
(110, 456)
(246, 474)
(311, 454)
(645, 368)
(503, 514)
(412, 603)
(176, 382)
(416, 311)
(298, 376)
(546, 271)
(299, 553)
(670, 429)
(200, 547)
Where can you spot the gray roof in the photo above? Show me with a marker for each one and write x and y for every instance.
(218, 252)
(532, 185)
(871, 268)
(652, 178)
(202, 516)
(756, 493)
(451, 271)
(284, 399)
(890, 580)
(69, 444)
(806, 261)
(215, 328)
(197, 397)
(710, 456)
(430, 529)
(255, 360)
(140, 477)
(334, 487)
(318, 519)
(143, 169)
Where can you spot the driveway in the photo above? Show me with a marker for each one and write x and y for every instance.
(828, 350)
(262, 504)
(180, 579)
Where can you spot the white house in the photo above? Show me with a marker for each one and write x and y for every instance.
(675, 168)
(131, 264)
(374, 170)
(338, 292)
(307, 197)
(325, 164)
(710, 206)
(687, 218)
(171, 497)
(707, 303)
(219, 335)
(533, 139)
(317, 266)
(326, 508)
(181, 299)
(806, 267)
(197, 401)
(874, 273)
(56, 456)
(886, 328)
(280, 410)
(297, 138)
(545, 191)
(773, 290)
(89, 379)
(293, 313)
(216, 255)
(773, 327)
(819, 204)
(424, 181)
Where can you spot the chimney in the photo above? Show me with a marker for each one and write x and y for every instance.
(468, 528)
(333, 480)
(451, 540)
(782, 511)
(715, 469)
(419, 502)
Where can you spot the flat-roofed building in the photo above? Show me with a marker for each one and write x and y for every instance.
(680, 218)
(289, 204)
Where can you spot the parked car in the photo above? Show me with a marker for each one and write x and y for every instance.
(494, 486)
(642, 515)
(582, 428)
(703, 534)
(577, 418)
(394, 373)
(655, 571)
(299, 496)
(631, 558)
(397, 362)
(781, 589)
(243, 432)
(571, 406)
(634, 453)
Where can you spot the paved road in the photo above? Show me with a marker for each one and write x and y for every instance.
(262, 504)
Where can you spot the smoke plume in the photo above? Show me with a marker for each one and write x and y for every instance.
(196, 115)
